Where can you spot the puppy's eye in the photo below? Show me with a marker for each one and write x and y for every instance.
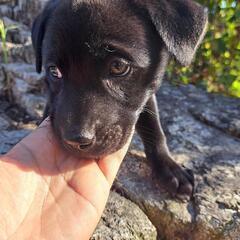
(55, 72)
(119, 68)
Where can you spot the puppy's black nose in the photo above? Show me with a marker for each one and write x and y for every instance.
(81, 141)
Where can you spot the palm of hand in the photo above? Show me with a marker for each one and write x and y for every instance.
(53, 195)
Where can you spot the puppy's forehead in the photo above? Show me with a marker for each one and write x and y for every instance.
(108, 16)
(94, 22)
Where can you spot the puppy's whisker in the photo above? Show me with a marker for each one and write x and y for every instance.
(150, 135)
(152, 114)
(148, 142)
(146, 130)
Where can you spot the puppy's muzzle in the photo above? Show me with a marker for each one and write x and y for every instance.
(82, 141)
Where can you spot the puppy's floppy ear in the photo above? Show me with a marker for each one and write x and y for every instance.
(181, 24)
(38, 31)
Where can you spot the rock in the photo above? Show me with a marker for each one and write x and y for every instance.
(2, 80)
(4, 122)
(4, 105)
(19, 89)
(26, 72)
(21, 10)
(19, 44)
(26, 87)
(20, 33)
(9, 46)
(21, 53)
(202, 131)
(224, 117)
(19, 13)
(123, 220)
(26, 11)
(6, 1)
(34, 105)
(10, 138)
(5, 10)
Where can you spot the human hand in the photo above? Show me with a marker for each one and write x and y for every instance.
(48, 194)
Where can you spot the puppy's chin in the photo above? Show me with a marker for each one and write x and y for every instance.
(101, 148)
(91, 154)
(95, 152)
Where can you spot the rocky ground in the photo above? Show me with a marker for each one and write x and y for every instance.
(203, 133)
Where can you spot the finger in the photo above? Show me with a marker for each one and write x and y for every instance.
(111, 164)
(38, 151)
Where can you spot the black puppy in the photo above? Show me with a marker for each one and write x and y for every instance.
(104, 62)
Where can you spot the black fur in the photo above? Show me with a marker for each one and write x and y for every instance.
(180, 23)
(93, 111)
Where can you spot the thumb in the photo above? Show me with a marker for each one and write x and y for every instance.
(111, 164)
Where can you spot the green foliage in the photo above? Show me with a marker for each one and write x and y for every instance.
(217, 63)
(3, 37)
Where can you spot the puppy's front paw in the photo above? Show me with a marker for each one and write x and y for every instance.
(178, 181)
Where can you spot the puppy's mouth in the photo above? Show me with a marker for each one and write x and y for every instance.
(106, 141)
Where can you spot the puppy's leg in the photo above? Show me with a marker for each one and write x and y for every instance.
(177, 180)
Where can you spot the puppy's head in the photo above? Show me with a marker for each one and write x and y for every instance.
(104, 59)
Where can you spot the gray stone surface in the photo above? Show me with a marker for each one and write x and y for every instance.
(34, 105)
(26, 87)
(27, 72)
(21, 10)
(4, 122)
(202, 132)
(21, 53)
(123, 220)
(5, 10)
(20, 33)
(10, 138)
(2, 79)
(203, 140)
(19, 13)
